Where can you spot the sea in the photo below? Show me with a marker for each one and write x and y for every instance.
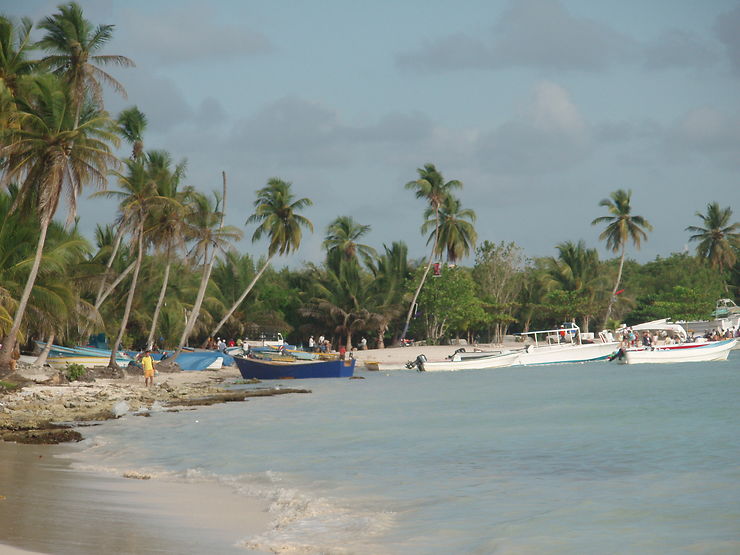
(558, 459)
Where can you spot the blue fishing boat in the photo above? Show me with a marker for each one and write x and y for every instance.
(250, 367)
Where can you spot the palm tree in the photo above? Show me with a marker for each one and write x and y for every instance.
(622, 227)
(718, 239)
(205, 227)
(15, 44)
(131, 125)
(49, 154)
(138, 194)
(456, 236)
(386, 292)
(431, 187)
(576, 269)
(167, 219)
(73, 44)
(276, 211)
(342, 236)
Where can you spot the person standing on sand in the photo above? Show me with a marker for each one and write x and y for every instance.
(147, 363)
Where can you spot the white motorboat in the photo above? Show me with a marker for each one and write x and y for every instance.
(564, 345)
(707, 352)
(501, 360)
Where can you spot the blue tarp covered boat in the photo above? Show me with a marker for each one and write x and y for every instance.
(298, 369)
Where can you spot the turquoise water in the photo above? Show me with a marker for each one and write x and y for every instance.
(591, 458)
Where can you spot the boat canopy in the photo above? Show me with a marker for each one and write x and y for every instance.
(662, 325)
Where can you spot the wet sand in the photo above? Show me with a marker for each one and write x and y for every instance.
(46, 506)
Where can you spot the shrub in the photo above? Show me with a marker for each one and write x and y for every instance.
(74, 372)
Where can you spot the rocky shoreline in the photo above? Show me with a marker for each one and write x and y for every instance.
(42, 407)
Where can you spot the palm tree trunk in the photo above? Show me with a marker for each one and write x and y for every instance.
(424, 277)
(160, 302)
(116, 245)
(242, 297)
(130, 300)
(190, 323)
(193, 316)
(41, 360)
(10, 339)
(115, 284)
(614, 291)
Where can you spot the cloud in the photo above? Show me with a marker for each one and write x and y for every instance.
(726, 28)
(676, 48)
(530, 33)
(191, 34)
(706, 132)
(549, 134)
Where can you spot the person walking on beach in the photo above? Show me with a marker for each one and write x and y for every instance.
(311, 344)
(363, 344)
(147, 363)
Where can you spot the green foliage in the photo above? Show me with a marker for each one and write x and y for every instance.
(448, 303)
(679, 303)
(74, 372)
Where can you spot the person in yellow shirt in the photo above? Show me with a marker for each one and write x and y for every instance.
(147, 363)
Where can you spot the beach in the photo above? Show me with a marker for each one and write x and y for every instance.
(556, 460)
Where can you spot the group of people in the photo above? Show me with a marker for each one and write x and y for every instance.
(323, 345)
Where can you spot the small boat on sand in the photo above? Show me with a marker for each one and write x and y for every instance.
(263, 369)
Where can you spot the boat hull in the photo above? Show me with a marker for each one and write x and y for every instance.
(709, 352)
(86, 361)
(480, 363)
(561, 354)
(251, 368)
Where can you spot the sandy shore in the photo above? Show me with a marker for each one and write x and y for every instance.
(47, 507)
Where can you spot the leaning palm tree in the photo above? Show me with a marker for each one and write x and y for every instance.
(342, 236)
(622, 227)
(456, 235)
(431, 187)
(205, 227)
(718, 239)
(137, 195)
(166, 229)
(73, 44)
(276, 211)
(49, 155)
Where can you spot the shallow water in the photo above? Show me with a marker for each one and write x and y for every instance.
(589, 458)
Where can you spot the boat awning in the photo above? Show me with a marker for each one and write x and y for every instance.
(662, 325)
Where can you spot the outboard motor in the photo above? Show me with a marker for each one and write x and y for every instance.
(418, 363)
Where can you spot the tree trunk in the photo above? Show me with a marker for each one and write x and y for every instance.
(130, 300)
(160, 302)
(190, 323)
(115, 284)
(10, 339)
(242, 297)
(424, 277)
(614, 291)
(41, 360)
(116, 245)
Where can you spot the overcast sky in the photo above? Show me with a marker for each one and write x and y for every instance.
(540, 107)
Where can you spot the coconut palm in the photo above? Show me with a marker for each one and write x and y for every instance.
(166, 226)
(456, 235)
(431, 187)
(342, 235)
(718, 239)
(49, 155)
(205, 227)
(623, 227)
(390, 271)
(131, 125)
(276, 211)
(15, 46)
(137, 195)
(74, 44)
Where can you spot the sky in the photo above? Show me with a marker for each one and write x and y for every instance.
(542, 108)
